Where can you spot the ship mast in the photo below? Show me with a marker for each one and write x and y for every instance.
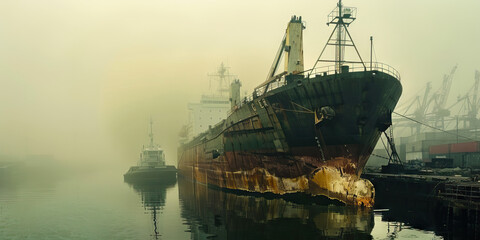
(224, 77)
(340, 38)
(151, 133)
(341, 17)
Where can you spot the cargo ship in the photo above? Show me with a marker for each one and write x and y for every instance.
(302, 131)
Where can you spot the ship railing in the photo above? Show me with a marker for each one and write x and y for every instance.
(247, 99)
(274, 84)
(259, 92)
(355, 67)
(244, 101)
(280, 81)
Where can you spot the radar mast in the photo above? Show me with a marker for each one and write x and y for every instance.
(341, 17)
(224, 80)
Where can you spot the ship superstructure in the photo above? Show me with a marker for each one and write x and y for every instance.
(213, 107)
(152, 155)
(308, 131)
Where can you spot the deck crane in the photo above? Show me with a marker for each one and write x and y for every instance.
(440, 99)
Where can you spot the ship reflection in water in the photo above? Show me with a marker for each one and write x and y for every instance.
(153, 199)
(215, 214)
(209, 213)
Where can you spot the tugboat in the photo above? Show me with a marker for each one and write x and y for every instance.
(151, 166)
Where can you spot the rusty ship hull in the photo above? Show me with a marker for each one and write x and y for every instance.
(283, 142)
(224, 215)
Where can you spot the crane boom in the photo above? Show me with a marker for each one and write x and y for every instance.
(442, 96)
(278, 56)
(475, 90)
(473, 111)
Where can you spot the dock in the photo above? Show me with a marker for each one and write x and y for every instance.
(464, 195)
(455, 191)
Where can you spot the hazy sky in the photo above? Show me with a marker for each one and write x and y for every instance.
(80, 79)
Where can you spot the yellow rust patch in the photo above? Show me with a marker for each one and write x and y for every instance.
(328, 181)
(260, 180)
(350, 189)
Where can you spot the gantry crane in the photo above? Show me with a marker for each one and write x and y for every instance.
(420, 112)
(440, 99)
(436, 114)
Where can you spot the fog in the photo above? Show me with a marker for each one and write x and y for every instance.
(79, 80)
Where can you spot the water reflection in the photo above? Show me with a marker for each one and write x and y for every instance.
(411, 210)
(153, 199)
(208, 213)
(214, 214)
(100, 206)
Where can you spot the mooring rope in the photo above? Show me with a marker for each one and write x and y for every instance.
(376, 155)
(438, 129)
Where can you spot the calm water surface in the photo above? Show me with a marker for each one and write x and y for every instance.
(101, 206)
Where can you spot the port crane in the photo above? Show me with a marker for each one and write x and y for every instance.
(420, 112)
(473, 103)
(470, 104)
(440, 99)
(425, 112)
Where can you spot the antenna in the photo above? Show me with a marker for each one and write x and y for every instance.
(371, 50)
(224, 79)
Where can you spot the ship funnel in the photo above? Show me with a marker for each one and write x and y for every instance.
(294, 46)
(235, 94)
